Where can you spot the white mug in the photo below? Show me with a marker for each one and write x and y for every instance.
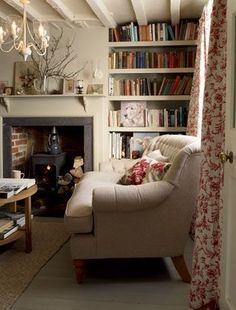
(17, 174)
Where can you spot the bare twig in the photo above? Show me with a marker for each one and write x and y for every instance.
(55, 62)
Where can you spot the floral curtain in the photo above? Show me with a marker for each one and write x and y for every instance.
(204, 292)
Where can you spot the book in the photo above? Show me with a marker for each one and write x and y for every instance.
(16, 185)
(7, 232)
(6, 191)
(5, 223)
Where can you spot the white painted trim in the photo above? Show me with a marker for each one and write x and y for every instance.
(62, 9)
(139, 11)
(175, 11)
(102, 13)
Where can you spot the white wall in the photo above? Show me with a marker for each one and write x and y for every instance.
(91, 47)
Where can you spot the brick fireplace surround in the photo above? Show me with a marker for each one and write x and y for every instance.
(15, 138)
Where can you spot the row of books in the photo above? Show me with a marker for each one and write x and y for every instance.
(10, 222)
(180, 85)
(150, 59)
(12, 186)
(186, 30)
(123, 145)
(173, 117)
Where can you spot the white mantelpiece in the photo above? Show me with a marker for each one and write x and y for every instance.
(63, 107)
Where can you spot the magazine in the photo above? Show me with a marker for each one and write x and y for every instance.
(6, 191)
(14, 186)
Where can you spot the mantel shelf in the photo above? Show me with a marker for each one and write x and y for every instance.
(83, 98)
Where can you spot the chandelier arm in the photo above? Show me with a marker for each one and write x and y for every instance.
(35, 44)
(7, 51)
(40, 52)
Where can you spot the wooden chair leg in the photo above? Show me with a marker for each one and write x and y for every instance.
(181, 267)
(79, 265)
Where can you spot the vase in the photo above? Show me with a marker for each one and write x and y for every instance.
(41, 85)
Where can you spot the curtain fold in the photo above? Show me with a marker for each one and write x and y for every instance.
(204, 292)
(194, 126)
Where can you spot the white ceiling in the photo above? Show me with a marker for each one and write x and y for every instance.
(89, 13)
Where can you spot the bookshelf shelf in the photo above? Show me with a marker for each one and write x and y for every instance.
(147, 129)
(153, 43)
(151, 71)
(150, 98)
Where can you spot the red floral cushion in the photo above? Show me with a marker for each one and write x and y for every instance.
(145, 171)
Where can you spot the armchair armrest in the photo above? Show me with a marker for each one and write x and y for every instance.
(130, 197)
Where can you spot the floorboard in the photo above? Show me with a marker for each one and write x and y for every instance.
(114, 284)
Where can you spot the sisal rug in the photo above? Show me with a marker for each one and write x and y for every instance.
(17, 269)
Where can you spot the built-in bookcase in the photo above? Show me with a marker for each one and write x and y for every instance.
(158, 71)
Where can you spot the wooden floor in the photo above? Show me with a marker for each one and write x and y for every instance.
(109, 285)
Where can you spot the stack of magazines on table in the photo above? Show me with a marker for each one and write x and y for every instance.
(10, 222)
(12, 186)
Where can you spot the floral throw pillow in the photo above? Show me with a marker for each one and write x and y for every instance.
(156, 171)
(145, 171)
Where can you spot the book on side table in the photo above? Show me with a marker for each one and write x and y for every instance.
(16, 218)
(5, 223)
(12, 186)
(8, 231)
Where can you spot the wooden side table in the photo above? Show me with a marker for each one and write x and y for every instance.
(26, 229)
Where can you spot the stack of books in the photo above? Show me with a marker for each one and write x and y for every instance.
(10, 222)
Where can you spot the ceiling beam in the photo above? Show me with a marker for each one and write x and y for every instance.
(32, 14)
(62, 9)
(139, 12)
(70, 19)
(175, 11)
(102, 13)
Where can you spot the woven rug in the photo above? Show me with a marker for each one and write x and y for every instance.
(17, 269)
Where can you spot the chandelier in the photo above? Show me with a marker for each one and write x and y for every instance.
(14, 32)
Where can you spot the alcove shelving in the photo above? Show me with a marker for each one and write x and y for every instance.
(135, 63)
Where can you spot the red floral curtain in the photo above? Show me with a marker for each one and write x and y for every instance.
(208, 224)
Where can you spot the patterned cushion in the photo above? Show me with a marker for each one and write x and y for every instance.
(145, 171)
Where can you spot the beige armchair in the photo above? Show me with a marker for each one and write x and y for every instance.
(109, 220)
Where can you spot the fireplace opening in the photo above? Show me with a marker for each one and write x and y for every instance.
(27, 148)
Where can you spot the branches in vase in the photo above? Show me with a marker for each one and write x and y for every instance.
(57, 61)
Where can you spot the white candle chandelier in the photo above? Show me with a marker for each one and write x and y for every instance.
(15, 30)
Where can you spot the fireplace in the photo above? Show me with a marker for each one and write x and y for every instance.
(76, 135)
(76, 139)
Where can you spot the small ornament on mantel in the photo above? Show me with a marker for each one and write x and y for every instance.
(80, 87)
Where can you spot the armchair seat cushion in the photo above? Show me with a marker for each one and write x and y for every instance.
(78, 215)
